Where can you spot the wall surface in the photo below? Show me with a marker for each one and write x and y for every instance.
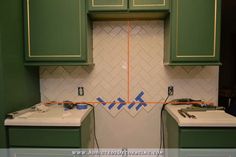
(128, 126)
(19, 84)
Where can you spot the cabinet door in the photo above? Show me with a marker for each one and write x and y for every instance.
(149, 5)
(207, 152)
(203, 137)
(39, 152)
(107, 5)
(44, 137)
(54, 30)
(195, 31)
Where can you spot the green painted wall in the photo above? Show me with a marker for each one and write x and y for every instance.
(1, 92)
(19, 84)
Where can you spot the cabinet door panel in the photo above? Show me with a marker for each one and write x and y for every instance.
(107, 5)
(36, 137)
(207, 137)
(24, 152)
(195, 31)
(54, 30)
(149, 4)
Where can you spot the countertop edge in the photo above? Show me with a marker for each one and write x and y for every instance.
(210, 125)
(54, 122)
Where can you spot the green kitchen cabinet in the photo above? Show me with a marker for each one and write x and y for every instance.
(107, 5)
(57, 32)
(128, 9)
(197, 141)
(197, 137)
(42, 153)
(126, 5)
(192, 33)
(47, 141)
(44, 137)
(148, 5)
(52, 136)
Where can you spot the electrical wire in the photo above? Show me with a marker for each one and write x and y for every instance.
(162, 138)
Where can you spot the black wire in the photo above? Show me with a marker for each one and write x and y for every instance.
(162, 138)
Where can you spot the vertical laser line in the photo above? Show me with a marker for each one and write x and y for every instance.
(128, 62)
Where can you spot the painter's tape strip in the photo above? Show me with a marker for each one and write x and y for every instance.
(101, 101)
(131, 105)
(139, 98)
(111, 105)
(122, 103)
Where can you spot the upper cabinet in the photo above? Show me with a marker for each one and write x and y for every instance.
(107, 5)
(57, 32)
(128, 5)
(192, 34)
(128, 9)
(148, 5)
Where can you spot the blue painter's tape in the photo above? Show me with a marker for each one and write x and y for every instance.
(139, 96)
(131, 105)
(139, 106)
(122, 103)
(66, 109)
(111, 105)
(143, 103)
(101, 101)
(81, 107)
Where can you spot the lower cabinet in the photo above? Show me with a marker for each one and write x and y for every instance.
(207, 153)
(198, 141)
(44, 137)
(42, 153)
(38, 141)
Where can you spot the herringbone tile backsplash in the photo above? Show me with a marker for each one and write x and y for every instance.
(108, 80)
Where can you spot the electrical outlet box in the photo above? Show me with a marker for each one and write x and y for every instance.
(80, 91)
(170, 90)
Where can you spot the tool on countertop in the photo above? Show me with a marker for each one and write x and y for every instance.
(197, 108)
(189, 101)
(40, 107)
(185, 101)
(68, 105)
(205, 107)
(189, 115)
(183, 113)
(18, 113)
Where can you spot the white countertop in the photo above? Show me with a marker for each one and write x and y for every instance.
(54, 116)
(214, 118)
